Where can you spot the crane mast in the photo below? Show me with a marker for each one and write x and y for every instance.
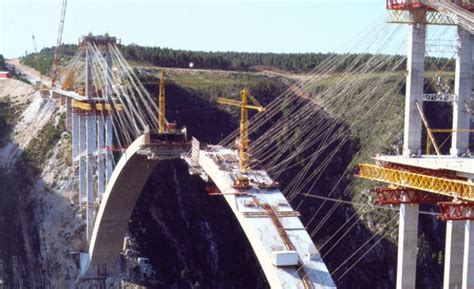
(244, 143)
(54, 71)
(37, 60)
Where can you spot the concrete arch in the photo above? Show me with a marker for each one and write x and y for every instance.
(123, 189)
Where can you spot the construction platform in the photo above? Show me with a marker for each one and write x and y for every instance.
(463, 166)
(280, 241)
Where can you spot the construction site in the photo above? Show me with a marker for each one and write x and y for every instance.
(337, 170)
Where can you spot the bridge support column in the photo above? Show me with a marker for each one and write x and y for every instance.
(82, 158)
(407, 246)
(453, 255)
(101, 155)
(109, 145)
(75, 134)
(463, 91)
(468, 259)
(75, 142)
(414, 88)
(68, 114)
(108, 118)
(408, 224)
(90, 168)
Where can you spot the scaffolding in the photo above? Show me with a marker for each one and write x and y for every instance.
(433, 184)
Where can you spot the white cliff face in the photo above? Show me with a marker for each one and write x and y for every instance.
(18, 91)
(60, 227)
(33, 119)
(54, 236)
(35, 113)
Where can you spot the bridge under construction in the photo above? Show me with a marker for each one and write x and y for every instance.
(110, 112)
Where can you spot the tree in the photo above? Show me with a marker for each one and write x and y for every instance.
(2, 62)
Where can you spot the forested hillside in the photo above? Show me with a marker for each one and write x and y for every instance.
(236, 61)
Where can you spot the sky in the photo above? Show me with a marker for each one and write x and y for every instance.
(209, 25)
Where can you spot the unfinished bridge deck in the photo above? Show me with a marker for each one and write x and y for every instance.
(270, 223)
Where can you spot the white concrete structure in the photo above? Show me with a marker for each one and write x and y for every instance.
(122, 192)
(123, 189)
(468, 257)
(75, 134)
(82, 159)
(101, 153)
(408, 224)
(408, 230)
(453, 255)
(407, 246)
(269, 222)
(463, 91)
(414, 88)
(463, 166)
(90, 171)
(109, 158)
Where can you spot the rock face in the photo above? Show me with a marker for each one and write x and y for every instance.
(40, 224)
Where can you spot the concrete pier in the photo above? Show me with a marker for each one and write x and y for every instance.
(90, 168)
(82, 159)
(414, 89)
(407, 246)
(91, 148)
(408, 224)
(68, 114)
(109, 136)
(75, 134)
(101, 180)
(463, 91)
(453, 255)
(468, 258)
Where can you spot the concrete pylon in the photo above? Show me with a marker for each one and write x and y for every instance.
(414, 89)
(468, 258)
(82, 159)
(101, 181)
(463, 91)
(407, 246)
(75, 134)
(109, 136)
(453, 255)
(91, 149)
(68, 114)
(108, 158)
(90, 169)
(408, 224)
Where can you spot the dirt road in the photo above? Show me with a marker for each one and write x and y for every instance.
(28, 73)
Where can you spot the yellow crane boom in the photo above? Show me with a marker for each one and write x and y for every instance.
(244, 158)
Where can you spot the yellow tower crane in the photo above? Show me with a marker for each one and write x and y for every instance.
(244, 158)
(161, 105)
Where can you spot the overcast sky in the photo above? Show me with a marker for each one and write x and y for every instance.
(245, 25)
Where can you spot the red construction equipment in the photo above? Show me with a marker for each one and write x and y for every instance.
(397, 196)
(404, 5)
(451, 211)
(416, 4)
(213, 190)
